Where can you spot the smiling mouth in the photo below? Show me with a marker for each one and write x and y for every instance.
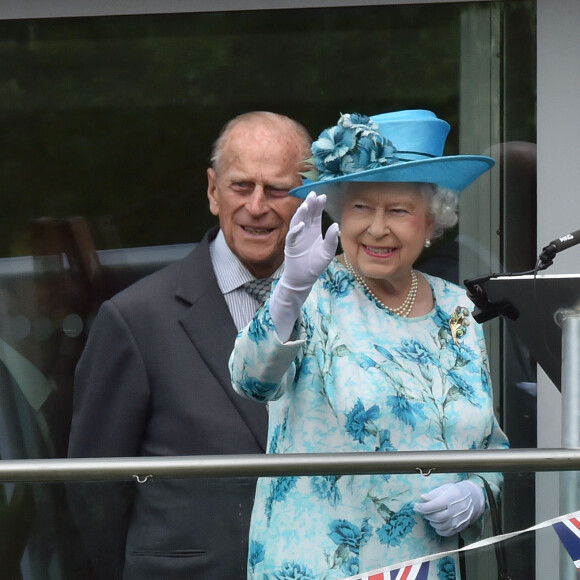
(257, 231)
(379, 251)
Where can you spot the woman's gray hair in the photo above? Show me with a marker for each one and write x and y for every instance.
(441, 204)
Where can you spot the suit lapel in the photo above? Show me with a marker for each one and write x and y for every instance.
(210, 327)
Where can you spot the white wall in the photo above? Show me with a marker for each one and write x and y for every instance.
(558, 202)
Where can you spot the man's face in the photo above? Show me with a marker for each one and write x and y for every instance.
(249, 193)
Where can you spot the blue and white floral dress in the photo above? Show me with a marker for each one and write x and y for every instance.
(355, 377)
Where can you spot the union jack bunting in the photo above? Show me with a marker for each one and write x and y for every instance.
(569, 533)
(567, 527)
(414, 572)
(410, 572)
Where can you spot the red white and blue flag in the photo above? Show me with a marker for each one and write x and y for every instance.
(567, 527)
(569, 533)
(414, 572)
(410, 572)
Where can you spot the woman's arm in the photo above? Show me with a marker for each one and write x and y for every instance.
(261, 366)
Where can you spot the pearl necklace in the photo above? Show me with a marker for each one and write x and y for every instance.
(405, 308)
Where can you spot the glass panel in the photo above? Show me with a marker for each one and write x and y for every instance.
(40, 540)
(107, 124)
(516, 166)
(112, 119)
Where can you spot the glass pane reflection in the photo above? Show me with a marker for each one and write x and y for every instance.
(40, 539)
(106, 129)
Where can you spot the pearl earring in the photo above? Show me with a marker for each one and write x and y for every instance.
(427, 243)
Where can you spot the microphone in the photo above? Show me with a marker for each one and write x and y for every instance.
(559, 244)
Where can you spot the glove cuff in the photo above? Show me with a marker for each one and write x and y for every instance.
(285, 305)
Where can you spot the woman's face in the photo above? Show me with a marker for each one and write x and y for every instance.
(384, 227)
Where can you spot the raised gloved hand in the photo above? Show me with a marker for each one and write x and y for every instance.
(452, 507)
(307, 254)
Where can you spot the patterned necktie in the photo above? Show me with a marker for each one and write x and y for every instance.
(259, 289)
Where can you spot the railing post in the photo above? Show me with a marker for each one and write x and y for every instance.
(569, 322)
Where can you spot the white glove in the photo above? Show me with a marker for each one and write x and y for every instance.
(452, 507)
(307, 254)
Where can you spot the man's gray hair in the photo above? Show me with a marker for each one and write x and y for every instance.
(304, 140)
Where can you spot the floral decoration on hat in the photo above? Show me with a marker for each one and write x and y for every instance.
(354, 144)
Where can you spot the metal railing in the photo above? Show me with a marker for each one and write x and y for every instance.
(423, 462)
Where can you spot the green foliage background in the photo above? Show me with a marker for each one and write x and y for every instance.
(113, 118)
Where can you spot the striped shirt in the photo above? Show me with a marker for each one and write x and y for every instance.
(231, 276)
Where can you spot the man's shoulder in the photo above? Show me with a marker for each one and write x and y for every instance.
(158, 285)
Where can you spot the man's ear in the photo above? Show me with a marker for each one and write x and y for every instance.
(212, 194)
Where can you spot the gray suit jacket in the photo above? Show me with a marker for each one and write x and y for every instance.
(153, 380)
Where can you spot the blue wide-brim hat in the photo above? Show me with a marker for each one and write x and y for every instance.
(402, 146)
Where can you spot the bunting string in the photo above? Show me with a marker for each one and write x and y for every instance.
(567, 527)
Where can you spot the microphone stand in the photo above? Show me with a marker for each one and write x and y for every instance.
(485, 309)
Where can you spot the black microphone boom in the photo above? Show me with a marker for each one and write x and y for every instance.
(557, 245)
(485, 309)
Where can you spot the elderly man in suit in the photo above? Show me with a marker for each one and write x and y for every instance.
(153, 378)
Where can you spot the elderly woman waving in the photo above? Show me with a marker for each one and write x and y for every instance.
(361, 352)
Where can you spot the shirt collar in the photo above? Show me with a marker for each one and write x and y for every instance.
(229, 271)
